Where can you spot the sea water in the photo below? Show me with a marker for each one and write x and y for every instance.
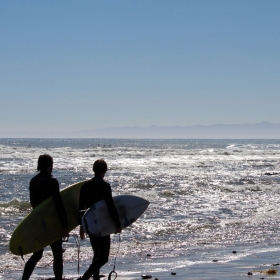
(208, 198)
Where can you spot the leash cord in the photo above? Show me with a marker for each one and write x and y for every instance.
(78, 249)
(113, 271)
(63, 240)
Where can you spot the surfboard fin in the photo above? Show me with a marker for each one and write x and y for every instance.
(21, 253)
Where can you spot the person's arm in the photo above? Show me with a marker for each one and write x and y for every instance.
(112, 209)
(82, 208)
(31, 195)
(60, 208)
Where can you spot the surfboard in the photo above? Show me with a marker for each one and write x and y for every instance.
(97, 221)
(42, 226)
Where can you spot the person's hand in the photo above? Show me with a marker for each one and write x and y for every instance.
(65, 232)
(118, 230)
(82, 233)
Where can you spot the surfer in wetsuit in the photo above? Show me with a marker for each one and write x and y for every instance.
(92, 191)
(41, 187)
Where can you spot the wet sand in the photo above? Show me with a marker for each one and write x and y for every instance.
(257, 264)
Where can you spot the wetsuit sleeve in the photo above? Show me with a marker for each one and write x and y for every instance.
(111, 206)
(59, 204)
(31, 195)
(82, 204)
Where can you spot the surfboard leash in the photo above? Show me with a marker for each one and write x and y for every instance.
(78, 249)
(113, 271)
(63, 250)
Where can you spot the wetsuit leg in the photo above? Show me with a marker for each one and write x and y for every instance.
(31, 263)
(95, 247)
(101, 249)
(57, 259)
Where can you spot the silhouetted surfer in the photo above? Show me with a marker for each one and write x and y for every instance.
(41, 187)
(92, 191)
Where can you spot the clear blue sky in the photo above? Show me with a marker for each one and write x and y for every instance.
(73, 65)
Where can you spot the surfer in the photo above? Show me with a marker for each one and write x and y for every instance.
(92, 191)
(41, 187)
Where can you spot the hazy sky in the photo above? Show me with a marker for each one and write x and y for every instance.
(73, 65)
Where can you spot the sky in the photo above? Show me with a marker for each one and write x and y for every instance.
(75, 65)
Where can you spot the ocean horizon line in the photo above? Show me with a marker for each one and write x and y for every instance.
(262, 130)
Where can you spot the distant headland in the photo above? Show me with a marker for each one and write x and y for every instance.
(263, 130)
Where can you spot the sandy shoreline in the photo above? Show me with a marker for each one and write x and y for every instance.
(235, 269)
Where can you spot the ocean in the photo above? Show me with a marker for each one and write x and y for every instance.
(208, 199)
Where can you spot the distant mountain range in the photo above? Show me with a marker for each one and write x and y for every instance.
(263, 130)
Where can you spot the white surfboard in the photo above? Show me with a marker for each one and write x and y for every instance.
(97, 221)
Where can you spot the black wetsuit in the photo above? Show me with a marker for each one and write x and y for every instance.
(41, 187)
(92, 191)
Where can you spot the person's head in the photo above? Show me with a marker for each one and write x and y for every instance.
(100, 167)
(45, 163)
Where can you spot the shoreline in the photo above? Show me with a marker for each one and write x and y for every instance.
(257, 264)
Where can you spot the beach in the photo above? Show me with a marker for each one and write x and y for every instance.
(257, 264)
(208, 199)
